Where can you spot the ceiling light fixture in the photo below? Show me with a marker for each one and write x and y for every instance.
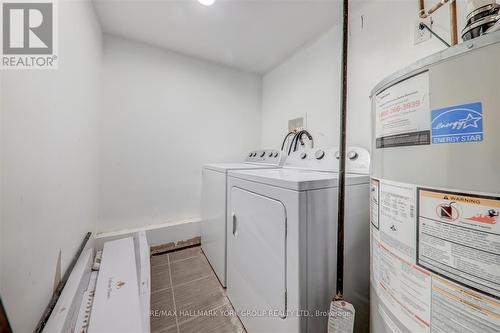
(206, 2)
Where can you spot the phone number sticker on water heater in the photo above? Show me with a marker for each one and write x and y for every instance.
(402, 113)
(458, 124)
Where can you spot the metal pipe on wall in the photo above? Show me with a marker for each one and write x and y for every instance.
(342, 152)
(453, 23)
(453, 16)
(421, 7)
(425, 14)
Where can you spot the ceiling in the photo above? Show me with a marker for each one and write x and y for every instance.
(251, 35)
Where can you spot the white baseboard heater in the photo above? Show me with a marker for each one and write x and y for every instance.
(114, 298)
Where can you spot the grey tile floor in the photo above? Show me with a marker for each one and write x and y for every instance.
(187, 297)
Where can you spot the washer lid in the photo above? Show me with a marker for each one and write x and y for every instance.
(296, 179)
(224, 167)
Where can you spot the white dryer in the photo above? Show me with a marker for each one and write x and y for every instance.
(282, 241)
(214, 204)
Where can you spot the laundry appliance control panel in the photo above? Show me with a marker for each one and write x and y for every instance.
(327, 159)
(266, 156)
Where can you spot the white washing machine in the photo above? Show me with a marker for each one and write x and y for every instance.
(214, 204)
(282, 241)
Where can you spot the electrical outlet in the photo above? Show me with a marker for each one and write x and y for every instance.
(422, 35)
(296, 124)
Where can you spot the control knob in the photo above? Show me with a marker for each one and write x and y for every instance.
(319, 154)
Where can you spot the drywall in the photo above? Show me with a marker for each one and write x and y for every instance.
(165, 115)
(49, 164)
(308, 83)
(305, 85)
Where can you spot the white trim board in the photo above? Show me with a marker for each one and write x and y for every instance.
(156, 234)
(65, 312)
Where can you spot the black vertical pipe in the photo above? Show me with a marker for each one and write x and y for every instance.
(342, 152)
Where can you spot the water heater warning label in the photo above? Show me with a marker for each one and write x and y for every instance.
(458, 237)
(435, 258)
(458, 124)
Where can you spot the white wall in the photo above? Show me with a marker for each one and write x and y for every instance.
(165, 115)
(49, 165)
(305, 85)
(380, 42)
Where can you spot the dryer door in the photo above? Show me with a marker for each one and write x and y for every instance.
(257, 252)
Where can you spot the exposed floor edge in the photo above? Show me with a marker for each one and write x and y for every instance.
(171, 235)
(174, 246)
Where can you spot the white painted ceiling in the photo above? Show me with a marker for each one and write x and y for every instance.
(251, 35)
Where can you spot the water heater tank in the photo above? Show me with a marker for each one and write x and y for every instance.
(435, 194)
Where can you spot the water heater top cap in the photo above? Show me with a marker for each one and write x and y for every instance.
(473, 5)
